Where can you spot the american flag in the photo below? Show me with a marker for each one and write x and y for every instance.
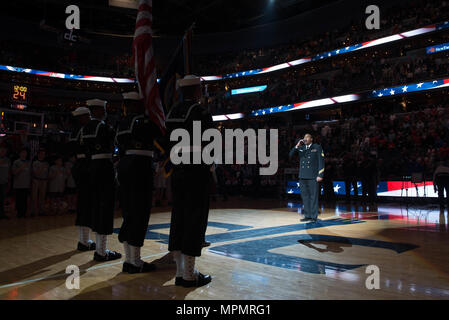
(145, 65)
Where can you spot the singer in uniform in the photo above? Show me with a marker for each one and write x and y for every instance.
(311, 171)
(99, 140)
(190, 187)
(80, 173)
(134, 139)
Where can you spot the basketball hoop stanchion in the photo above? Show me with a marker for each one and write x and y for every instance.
(425, 187)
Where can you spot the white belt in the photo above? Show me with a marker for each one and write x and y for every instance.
(147, 153)
(81, 156)
(102, 156)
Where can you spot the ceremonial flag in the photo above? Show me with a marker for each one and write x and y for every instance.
(144, 63)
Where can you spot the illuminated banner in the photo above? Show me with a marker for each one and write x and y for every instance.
(66, 76)
(248, 90)
(333, 53)
(384, 189)
(438, 48)
(407, 88)
(306, 105)
(374, 94)
(225, 117)
(379, 93)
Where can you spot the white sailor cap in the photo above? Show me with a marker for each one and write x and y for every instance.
(189, 80)
(96, 102)
(80, 111)
(133, 95)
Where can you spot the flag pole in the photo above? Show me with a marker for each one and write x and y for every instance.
(187, 49)
(179, 47)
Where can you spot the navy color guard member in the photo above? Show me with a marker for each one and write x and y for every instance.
(311, 170)
(190, 188)
(80, 172)
(99, 140)
(134, 138)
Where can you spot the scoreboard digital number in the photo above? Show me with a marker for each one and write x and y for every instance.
(20, 94)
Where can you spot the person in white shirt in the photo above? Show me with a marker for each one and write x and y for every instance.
(5, 165)
(21, 169)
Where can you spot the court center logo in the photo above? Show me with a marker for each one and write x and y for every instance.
(263, 245)
(255, 150)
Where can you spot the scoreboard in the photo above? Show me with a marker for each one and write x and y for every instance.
(20, 94)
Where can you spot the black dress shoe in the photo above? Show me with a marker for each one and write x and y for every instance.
(304, 219)
(89, 247)
(146, 267)
(178, 281)
(313, 220)
(205, 244)
(110, 255)
(202, 280)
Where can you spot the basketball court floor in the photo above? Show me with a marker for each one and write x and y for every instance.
(259, 250)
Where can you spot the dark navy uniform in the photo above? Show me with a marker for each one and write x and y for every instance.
(368, 170)
(311, 166)
(99, 140)
(134, 138)
(190, 184)
(80, 173)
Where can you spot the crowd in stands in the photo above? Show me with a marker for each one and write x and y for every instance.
(380, 143)
(381, 140)
(319, 80)
(412, 15)
(344, 75)
(402, 143)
